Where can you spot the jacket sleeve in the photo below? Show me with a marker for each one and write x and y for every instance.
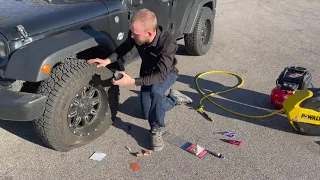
(123, 49)
(164, 66)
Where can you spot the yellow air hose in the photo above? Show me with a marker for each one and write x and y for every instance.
(201, 107)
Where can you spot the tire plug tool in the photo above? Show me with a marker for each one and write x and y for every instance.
(238, 143)
(229, 134)
(146, 153)
(204, 113)
(117, 75)
(139, 154)
(216, 154)
(128, 149)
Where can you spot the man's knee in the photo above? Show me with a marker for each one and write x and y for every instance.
(156, 90)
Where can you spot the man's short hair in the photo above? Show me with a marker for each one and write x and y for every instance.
(147, 18)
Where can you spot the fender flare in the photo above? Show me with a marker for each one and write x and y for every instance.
(194, 13)
(25, 63)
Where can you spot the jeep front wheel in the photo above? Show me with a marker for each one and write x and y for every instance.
(199, 41)
(77, 110)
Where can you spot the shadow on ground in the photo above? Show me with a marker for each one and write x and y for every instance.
(132, 106)
(182, 50)
(140, 134)
(23, 130)
(240, 100)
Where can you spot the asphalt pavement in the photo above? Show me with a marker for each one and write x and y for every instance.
(255, 39)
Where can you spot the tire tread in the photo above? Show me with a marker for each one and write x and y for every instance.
(191, 40)
(53, 87)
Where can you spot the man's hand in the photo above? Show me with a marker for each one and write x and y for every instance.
(126, 80)
(101, 62)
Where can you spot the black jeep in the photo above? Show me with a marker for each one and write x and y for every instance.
(46, 45)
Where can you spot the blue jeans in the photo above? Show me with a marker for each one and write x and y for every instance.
(155, 103)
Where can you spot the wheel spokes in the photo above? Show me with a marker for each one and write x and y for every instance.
(73, 114)
(95, 101)
(83, 111)
(83, 93)
(91, 93)
(76, 102)
(86, 119)
(77, 121)
(93, 112)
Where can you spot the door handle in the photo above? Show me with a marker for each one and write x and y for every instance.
(136, 3)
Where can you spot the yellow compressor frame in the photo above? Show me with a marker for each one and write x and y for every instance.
(303, 120)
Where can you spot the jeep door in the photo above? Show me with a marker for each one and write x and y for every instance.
(180, 10)
(161, 8)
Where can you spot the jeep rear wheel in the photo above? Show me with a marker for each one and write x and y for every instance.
(199, 41)
(77, 110)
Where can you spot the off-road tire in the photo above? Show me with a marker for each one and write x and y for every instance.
(65, 81)
(193, 41)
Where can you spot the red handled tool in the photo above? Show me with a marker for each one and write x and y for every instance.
(238, 143)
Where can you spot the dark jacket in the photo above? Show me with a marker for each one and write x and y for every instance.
(158, 57)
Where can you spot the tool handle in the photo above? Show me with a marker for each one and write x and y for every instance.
(117, 75)
(216, 154)
(238, 143)
(207, 116)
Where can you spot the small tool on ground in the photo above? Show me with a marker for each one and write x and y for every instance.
(193, 148)
(216, 154)
(139, 154)
(146, 153)
(229, 133)
(201, 111)
(234, 142)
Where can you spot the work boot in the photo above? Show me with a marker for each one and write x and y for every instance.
(157, 141)
(181, 98)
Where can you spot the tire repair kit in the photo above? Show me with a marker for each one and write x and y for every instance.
(290, 81)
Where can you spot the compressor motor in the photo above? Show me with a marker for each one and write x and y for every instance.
(289, 81)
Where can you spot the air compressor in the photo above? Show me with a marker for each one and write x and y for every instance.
(290, 80)
(303, 111)
(300, 103)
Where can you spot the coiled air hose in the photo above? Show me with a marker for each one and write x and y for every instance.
(201, 107)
